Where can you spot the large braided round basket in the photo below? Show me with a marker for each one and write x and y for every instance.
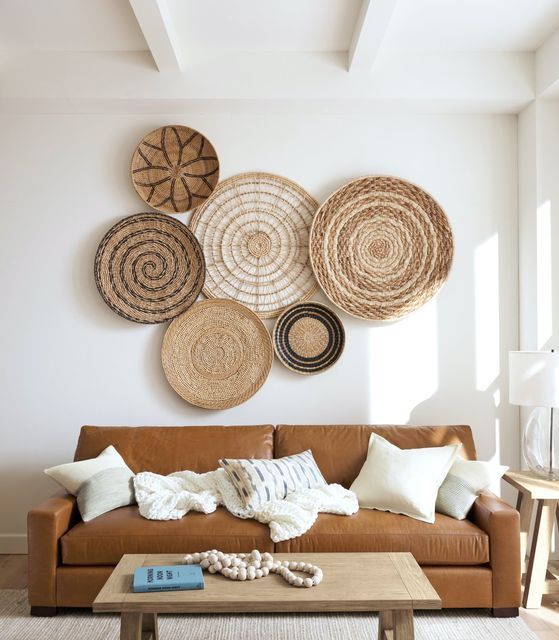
(254, 230)
(380, 247)
(217, 354)
(308, 338)
(149, 268)
(174, 169)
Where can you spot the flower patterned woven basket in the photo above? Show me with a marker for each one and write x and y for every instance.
(217, 354)
(380, 247)
(254, 230)
(149, 268)
(308, 338)
(174, 169)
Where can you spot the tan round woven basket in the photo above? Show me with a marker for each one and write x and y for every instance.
(217, 354)
(174, 169)
(149, 268)
(380, 247)
(308, 338)
(254, 230)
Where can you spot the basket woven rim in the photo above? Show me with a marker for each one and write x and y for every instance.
(164, 218)
(334, 193)
(196, 214)
(263, 332)
(323, 306)
(178, 126)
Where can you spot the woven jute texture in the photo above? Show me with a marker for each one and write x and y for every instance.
(308, 338)
(149, 268)
(254, 230)
(217, 354)
(380, 247)
(174, 169)
(82, 624)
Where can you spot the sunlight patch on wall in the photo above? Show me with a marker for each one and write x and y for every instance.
(403, 365)
(486, 303)
(543, 274)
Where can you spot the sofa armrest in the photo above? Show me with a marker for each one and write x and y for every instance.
(502, 524)
(46, 524)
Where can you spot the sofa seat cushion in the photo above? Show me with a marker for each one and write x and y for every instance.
(105, 539)
(446, 542)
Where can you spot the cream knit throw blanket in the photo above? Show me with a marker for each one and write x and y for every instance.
(172, 497)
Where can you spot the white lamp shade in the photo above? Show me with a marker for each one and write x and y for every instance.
(534, 378)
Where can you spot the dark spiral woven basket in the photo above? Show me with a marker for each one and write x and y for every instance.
(149, 268)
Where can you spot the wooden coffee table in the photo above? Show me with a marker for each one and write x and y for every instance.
(391, 583)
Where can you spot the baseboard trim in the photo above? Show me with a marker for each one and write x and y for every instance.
(13, 543)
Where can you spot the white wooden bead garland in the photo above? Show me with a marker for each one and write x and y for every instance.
(254, 565)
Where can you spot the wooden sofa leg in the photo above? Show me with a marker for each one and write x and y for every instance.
(44, 612)
(505, 612)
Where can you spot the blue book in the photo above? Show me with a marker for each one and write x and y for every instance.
(174, 578)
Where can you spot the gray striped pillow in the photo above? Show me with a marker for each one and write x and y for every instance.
(259, 481)
(106, 490)
(456, 497)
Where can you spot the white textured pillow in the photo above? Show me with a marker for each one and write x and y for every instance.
(73, 474)
(403, 480)
(465, 480)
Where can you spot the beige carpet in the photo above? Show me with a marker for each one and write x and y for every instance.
(17, 624)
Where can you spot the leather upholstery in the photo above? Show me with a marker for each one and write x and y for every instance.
(462, 587)
(471, 563)
(502, 523)
(79, 586)
(447, 542)
(168, 449)
(340, 450)
(104, 540)
(46, 524)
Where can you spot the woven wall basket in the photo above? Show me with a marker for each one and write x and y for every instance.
(308, 338)
(149, 268)
(174, 169)
(254, 230)
(380, 247)
(217, 354)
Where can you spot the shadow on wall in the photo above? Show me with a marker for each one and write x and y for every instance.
(473, 359)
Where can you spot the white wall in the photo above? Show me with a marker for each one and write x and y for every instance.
(68, 360)
(538, 127)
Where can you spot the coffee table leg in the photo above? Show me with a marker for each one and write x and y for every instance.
(149, 626)
(395, 625)
(138, 626)
(130, 626)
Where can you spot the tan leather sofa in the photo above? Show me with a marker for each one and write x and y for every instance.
(471, 563)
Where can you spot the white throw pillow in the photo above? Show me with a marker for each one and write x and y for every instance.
(73, 474)
(403, 480)
(465, 480)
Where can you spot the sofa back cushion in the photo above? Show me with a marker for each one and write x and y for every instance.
(341, 450)
(167, 449)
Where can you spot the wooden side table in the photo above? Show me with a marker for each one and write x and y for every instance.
(534, 491)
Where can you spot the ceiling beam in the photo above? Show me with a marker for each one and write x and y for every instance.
(410, 81)
(370, 29)
(154, 19)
